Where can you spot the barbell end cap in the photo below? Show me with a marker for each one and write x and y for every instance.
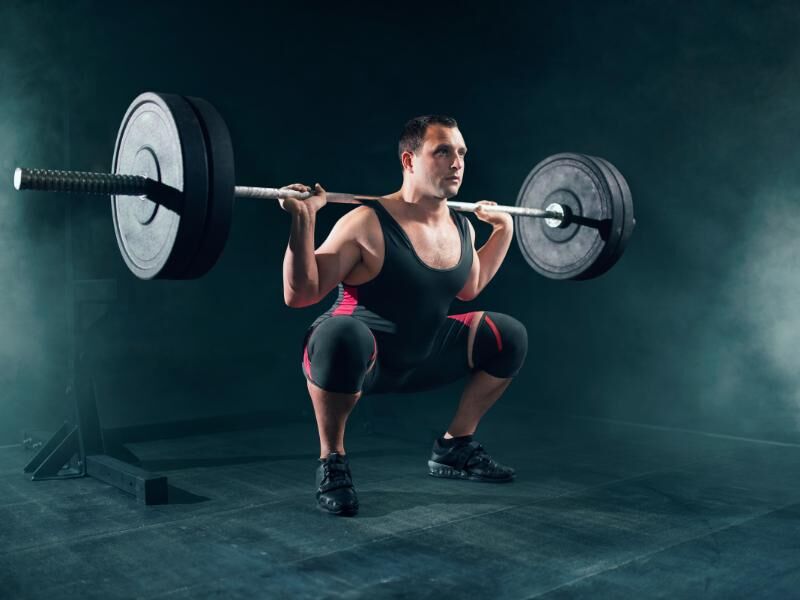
(17, 179)
(566, 218)
(563, 215)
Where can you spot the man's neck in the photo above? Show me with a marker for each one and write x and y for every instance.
(422, 208)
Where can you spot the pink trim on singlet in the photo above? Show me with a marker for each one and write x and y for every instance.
(496, 332)
(465, 318)
(306, 362)
(349, 301)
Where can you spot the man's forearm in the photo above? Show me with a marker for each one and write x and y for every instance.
(492, 254)
(300, 276)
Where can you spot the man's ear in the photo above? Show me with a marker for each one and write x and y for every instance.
(407, 160)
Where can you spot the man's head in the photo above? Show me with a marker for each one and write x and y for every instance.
(432, 153)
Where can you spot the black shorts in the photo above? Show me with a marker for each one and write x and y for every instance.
(341, 354)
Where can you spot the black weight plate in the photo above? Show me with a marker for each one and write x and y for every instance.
(582, 249)
(620, 187)
(219, 150)
(160, 137)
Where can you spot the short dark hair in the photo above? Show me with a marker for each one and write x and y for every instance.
(415, 129)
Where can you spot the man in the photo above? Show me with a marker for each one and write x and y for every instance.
(398, 264)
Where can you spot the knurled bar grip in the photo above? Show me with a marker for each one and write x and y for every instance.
(266, 193)
(82, 183)
(46, 180)
(511, 210)
(243, 191)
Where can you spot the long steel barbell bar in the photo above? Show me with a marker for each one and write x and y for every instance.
(81, 182)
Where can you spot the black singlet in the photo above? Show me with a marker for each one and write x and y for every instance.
(406, 303)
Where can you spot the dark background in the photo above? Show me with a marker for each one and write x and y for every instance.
(696, 103)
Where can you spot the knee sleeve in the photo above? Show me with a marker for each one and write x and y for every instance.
(500, 346)
(338, 354)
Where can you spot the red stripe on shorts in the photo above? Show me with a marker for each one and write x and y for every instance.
(496, 332)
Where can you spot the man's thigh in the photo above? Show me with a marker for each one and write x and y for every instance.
(449, 361)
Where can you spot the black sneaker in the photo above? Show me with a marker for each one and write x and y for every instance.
(335, 493)
(467, 460)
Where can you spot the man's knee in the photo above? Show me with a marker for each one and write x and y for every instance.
(501, 344)
(338, 354)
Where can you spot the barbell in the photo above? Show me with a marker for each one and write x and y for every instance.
(172, 191)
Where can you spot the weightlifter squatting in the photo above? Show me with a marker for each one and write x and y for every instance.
(398, 264)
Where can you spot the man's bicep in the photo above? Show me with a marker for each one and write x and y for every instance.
(336, 257)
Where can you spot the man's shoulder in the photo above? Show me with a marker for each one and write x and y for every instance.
(359, 222)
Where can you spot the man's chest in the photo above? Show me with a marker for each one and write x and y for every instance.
(437, 247)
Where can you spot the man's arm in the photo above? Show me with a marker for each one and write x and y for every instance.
(487, 260)
(309, 275)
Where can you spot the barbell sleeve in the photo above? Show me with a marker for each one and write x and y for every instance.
(46, 180)
(136, 185)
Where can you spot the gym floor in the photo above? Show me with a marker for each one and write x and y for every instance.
(599, 508)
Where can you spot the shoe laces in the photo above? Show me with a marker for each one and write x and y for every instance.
(335, 472)
(479, 455)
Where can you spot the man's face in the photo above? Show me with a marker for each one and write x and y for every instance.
(439, 163)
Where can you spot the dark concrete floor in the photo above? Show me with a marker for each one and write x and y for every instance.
(599, 510)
